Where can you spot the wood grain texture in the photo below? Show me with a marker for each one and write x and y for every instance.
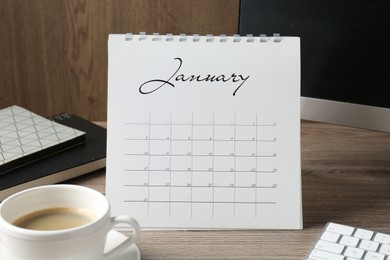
(345, 179)
(53, 53)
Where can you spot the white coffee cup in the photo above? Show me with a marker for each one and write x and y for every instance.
(79, 243)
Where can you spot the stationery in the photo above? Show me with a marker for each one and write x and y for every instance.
(26, 137)
(204, 131)
(82, 159)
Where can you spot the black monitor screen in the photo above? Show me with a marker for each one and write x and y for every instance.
(345, 46)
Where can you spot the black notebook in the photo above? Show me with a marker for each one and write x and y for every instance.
(26, 137)
(84, 158)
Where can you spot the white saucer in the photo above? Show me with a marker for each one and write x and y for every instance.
(130, 253)
(114, 238)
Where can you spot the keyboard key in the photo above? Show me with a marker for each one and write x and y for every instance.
(363, 234)
(382, 238)
(385, 249)
(330, 236)
(329, 247)
(349, 241)
(322, 255)
(374, 256)
(340, 229)
(369, 245)
(354, 252)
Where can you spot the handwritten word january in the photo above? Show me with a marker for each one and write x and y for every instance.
(150, 86)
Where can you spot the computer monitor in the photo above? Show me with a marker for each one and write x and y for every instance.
(345, 55)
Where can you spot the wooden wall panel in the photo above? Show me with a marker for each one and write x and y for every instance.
(53, 53)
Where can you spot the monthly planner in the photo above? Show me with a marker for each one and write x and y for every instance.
(204, 131)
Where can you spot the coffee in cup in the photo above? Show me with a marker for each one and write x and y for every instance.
(54, 219)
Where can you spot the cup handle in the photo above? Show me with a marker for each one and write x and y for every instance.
(124, 219)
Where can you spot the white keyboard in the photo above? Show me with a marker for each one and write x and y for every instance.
(341, 242)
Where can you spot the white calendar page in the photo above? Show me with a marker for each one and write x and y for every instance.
(204, 132)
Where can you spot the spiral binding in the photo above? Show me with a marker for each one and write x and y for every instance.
(169, 37)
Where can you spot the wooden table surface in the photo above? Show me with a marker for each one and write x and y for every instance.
(345, 179)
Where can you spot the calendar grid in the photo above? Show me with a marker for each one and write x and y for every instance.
(256, 166)
(234, 166)
(197, 172)
(170, 164)
(213, 166)
(149, 142)
(192, 161)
